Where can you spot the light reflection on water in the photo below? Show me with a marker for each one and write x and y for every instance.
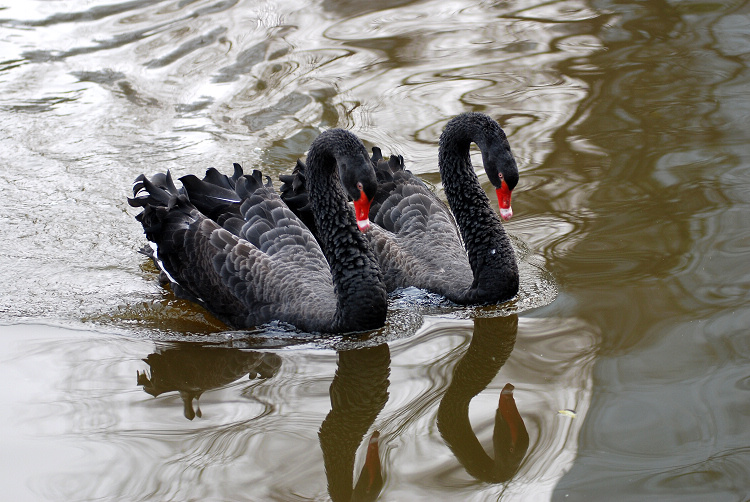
(666, 408)
(628, 121)
(274, 430)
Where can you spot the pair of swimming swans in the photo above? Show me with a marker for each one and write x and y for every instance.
(233, 245)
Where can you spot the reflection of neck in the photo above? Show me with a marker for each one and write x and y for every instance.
(490, 347)
(358, 392)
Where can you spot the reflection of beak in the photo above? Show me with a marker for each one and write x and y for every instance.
(362, 211)
(503, 199)
(372, 461)
(370, 480)
(509, 411)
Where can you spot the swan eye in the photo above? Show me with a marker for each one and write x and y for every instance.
(359, 186)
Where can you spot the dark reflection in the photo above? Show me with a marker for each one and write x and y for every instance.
(266, 117)
(93, 14)
(345, 8)
(273, 47)
(490, 347)
(122, 39)
(359, 392)
(668, 134)
(192, 369)
(192, 45)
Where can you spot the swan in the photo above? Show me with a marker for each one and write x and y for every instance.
(253, 261)
(464, 255)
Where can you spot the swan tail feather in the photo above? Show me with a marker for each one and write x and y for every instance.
(180, 240)
(156, 191)
(215, 177)
(214, 195)
(295, 196)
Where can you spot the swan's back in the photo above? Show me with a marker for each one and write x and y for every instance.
(463, 254)
(417, 240)
(415, 237)
(260, 264)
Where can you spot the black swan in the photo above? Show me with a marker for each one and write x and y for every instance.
(254, 261)
(465, 256)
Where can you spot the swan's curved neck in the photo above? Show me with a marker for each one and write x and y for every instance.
(488, 247)
(490, 347)
(358, 392)
(357, 281)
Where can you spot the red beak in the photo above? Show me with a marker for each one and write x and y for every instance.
(503, 199)
(362, 211)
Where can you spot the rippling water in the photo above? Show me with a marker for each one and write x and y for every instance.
(626, 348)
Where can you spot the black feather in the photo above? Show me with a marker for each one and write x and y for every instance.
(232, 245)
(465, 254)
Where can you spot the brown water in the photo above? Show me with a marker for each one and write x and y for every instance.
(629, 124)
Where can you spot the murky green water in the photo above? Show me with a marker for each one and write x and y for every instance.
(629, 124)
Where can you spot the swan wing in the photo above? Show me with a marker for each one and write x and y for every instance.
(270, 268)
(419, 244)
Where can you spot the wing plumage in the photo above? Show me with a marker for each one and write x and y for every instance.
(415, 236)
(251, 262)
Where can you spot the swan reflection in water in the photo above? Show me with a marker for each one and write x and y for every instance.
(193, 369)
(490, 347)
(358, 393)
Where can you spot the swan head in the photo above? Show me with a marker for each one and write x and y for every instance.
(499, 163)
(501, 168)
(352, 162)
(362, 209)
(358, 177)
(359, 181)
